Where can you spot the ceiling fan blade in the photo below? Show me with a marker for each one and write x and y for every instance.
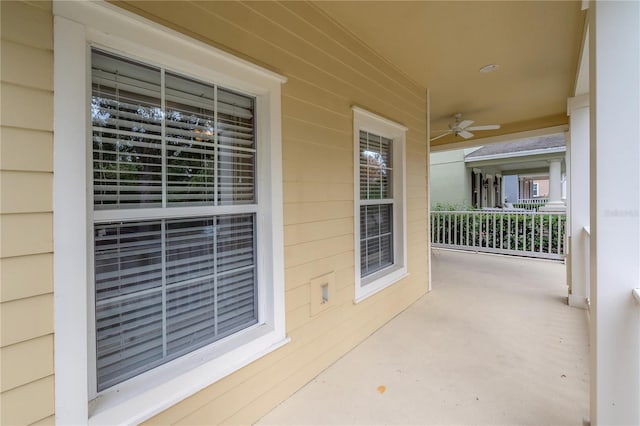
(465, 134)
(464, 124)
(442, 135)
(485, 127)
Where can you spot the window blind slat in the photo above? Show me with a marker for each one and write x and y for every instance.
(128, 335)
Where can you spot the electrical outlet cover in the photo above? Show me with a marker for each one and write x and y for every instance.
(322, 292)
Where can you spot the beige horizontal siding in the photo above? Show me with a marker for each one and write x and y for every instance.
(26, 276)
(306, 252)
(26, 204)
(28, 403)
(24, 234)
(307, 232)
(26, 192)
(28, 24)
(47, 421)
(319, 211)
(301, 274)
(30, 108)
(37, 75)
(305, 90)
(26, 362)
(308, 192)
(295, 170)
(25, 319)
(26, 150)
(295, 129)
(295, 108)
(302, 23)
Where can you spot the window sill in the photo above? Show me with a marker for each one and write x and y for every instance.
(379, 281)
(138, 400)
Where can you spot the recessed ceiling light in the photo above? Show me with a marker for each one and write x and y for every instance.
(489, 68)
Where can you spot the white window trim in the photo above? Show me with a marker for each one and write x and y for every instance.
(77, 26)
(378, 281)
(535, 189)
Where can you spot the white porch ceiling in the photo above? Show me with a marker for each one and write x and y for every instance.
(441, 45)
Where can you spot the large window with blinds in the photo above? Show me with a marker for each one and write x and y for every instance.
(380, 212)
(174, 215)
(169, 265)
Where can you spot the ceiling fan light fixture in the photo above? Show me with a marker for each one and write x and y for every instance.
(489, 68)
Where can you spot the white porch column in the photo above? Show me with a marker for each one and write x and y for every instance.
(555, 187)
(555, 182)
(578, 166)
(615, 205)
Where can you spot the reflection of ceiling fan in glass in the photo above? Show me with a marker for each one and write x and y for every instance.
(463, 128)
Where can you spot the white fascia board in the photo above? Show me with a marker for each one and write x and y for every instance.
(554, 150)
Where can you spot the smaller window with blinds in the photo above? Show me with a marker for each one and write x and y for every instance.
(380, 207)
(174, 215)
(376, 203)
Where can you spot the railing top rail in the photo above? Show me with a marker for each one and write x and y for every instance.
(499, 211)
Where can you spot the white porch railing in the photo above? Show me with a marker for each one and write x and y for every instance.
(530, 203)
(519, 233)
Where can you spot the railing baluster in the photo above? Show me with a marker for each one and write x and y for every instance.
(501, 231)
(515, 232)
(449, 227)
(541, 237)
(486, 230)
(533, 232)
(455, 229)
(431, 220)
(466, 240)
(524, 232)
(550, 242)
(495, 233)
(560, 236)
(473, 229)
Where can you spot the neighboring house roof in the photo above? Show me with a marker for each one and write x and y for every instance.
(539, 144)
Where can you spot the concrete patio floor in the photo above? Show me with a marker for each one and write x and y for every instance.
(493, 343)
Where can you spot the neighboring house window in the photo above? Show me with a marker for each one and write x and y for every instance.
(180, 253)
(380, 225)
(535, 189)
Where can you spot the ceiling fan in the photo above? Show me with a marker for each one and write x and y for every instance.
(463, 127)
